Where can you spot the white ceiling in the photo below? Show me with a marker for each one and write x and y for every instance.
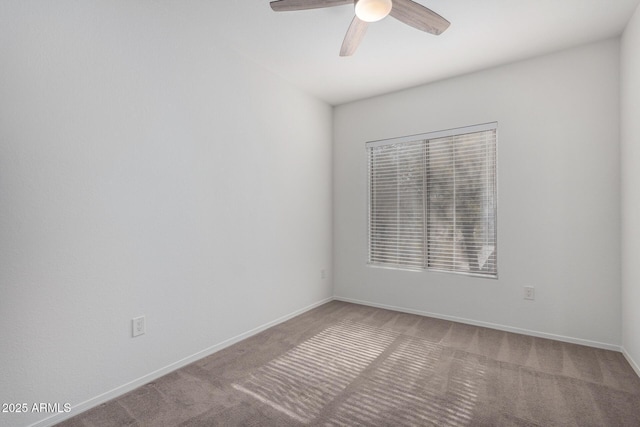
(303, 46)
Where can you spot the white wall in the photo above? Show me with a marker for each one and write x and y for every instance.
(630, 151)
(145, 169)
(558, 184)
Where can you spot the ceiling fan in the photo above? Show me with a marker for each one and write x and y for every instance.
(367, 11)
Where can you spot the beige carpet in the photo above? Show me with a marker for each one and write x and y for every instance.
(348, 365)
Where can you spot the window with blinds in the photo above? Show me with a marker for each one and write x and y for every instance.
(433, 201)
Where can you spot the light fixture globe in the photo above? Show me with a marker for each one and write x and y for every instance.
(372, 10)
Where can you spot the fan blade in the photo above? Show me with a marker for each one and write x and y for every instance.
(289, 5)
(354, 36)
(418, 16)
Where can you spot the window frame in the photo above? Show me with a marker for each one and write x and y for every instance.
(491, 126)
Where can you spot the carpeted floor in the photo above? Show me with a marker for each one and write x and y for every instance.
(347, 365)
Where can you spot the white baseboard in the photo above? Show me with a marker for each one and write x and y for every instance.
(633, 363)
(125, 388)
(505, 328)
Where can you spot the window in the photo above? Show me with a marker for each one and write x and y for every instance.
(433, 201)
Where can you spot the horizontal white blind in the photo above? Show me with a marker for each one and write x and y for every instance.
(461, 207)
(433, 201)
(396, 205)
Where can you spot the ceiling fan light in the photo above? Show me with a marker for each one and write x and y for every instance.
(372, 10)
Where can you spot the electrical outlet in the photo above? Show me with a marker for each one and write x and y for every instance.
(138, 326)
(323, 274)
(529, 292)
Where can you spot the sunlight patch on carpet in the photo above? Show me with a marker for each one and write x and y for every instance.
(304, 380)
(415, 385)
(412, 382)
